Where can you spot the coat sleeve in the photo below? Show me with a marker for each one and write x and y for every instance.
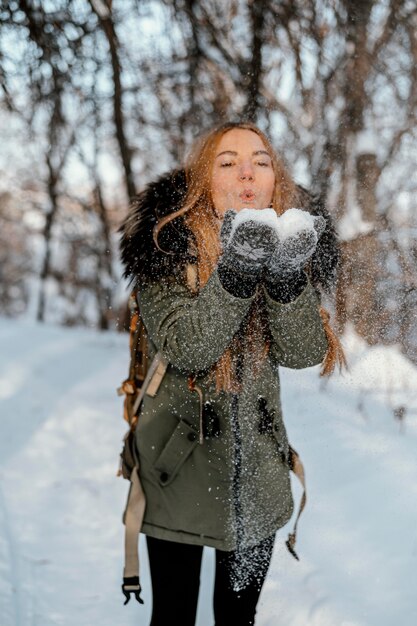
(191, 331)
(298, 336)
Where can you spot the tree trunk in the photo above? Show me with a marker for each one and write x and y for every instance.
(47, 233)
(254, 78)
(104, 15)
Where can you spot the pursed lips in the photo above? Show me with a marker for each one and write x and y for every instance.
(247, 195)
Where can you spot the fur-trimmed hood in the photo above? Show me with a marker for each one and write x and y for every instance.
(144, 263)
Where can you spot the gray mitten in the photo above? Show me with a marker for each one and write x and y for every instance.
(299, 232)
(246, 247)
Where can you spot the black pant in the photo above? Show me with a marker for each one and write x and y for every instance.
(175, 574)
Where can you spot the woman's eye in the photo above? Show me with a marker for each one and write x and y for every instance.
(263, 163)
(228, 164)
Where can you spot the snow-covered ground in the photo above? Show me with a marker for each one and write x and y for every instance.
(61, 536)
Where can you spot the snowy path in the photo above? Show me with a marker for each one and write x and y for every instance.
(60, 503)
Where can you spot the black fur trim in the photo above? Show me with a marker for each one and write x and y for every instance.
(144, 263)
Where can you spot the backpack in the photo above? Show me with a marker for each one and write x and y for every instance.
(138, 359)
(146, 377)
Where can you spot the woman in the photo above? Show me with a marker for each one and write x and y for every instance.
(225, 305)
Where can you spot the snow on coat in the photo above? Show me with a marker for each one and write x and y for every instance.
(233, 490)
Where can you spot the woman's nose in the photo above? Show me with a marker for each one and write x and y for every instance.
(246, 171)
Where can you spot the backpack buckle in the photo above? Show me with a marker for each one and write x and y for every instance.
(130, 586)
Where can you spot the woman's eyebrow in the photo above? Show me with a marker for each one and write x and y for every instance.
(261, 152)
(235, 153)
(227, 152)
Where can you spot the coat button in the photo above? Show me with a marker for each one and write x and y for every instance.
(163, 477)
(191, 436)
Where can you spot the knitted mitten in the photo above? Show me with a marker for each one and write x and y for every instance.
(245, 250)
(284, 277)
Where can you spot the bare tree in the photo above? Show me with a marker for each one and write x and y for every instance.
(103, 10)
(334, 84)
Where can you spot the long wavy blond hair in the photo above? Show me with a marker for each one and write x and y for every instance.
(200, 217)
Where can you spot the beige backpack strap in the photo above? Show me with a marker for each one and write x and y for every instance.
(133, 518)
(297, 467)
(136, 501)
(192, 277)
(152, 380)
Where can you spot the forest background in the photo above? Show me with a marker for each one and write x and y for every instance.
(97, 98)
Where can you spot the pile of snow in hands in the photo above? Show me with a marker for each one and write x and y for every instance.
(289, 224)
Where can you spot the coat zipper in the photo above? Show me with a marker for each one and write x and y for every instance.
(196, 389)
(237, 464)
(237, 455)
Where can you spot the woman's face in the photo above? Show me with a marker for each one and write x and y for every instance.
(242, 175)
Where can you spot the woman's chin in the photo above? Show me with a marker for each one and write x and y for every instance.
(247, 204)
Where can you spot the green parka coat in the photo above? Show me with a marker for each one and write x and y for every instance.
(233, 490)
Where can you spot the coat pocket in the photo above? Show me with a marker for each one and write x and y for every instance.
(176, 451)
